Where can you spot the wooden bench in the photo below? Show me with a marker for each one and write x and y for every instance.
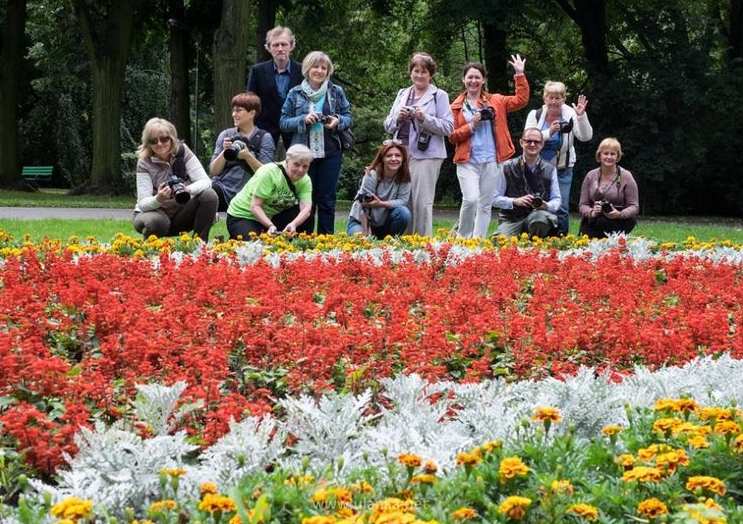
(34, 174)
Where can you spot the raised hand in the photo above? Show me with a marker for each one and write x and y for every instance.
(518, 64)
(580, 107)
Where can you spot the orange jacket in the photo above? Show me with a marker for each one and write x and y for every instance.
(502, 104)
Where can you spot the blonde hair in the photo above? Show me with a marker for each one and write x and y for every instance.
(152, 129)
(276, 31)
(609, 143)
(554, 88)
(313, 58)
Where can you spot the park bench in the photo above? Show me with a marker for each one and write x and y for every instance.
(33, 174)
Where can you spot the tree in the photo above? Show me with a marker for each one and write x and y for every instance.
(180, 109)
(590, 17)
(11, 51)
(107, 29)
(230, 66)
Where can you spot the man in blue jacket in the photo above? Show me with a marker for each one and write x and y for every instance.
(271, 81)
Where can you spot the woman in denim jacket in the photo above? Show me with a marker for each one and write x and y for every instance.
(314, 112)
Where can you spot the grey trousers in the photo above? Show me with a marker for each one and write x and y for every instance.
(424, 173)
(538, 223)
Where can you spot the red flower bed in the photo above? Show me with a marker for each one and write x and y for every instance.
(78, 335)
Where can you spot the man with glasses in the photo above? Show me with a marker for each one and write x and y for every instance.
(527, 193)
(271, 81)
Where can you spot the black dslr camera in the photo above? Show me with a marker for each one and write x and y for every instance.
(365, 198)
(238, 144)
(566, 127)
(487, 113)
(323, 119)
(607, 207)
(537, 201)
(179, 189)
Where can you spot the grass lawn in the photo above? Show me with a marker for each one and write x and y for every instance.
(59, 198)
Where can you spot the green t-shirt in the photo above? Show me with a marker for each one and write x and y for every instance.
(269, 184)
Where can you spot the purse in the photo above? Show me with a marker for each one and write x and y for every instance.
(348, 141)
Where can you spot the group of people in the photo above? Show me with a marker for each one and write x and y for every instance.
(299, 104)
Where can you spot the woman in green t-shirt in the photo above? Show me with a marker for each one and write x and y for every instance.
(277, 199)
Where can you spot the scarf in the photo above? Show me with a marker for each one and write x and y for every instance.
(316, 130)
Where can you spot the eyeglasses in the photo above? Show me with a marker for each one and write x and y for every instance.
(392, 142)
(531, 142)
(162, 140)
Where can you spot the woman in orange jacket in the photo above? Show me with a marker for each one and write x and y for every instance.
(482, 142)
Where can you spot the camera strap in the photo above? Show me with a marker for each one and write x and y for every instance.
(179, 164)
(289, 181)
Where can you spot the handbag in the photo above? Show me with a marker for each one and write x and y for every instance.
(348, 141)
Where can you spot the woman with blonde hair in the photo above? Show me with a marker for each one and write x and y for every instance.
(174, 193)
(608, 198)
(315, 112)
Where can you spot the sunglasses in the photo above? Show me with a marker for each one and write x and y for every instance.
(392, 142)
(531, 142)
(162, 140)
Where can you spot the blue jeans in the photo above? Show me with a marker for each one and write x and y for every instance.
(564, 180)
(324, 173)
(397, 220)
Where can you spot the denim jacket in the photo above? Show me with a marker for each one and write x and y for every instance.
(297, 106)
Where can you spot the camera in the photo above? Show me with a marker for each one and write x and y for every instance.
(606, 207)
(323, 119)
(487, 113)
(179, 189)
(537, 201)
(365, 198)
(410, 110)
(237, 145)
(566, 127)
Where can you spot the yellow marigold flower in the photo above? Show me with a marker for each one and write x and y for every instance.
(584, 510)
(361, 486)
(647, 454)
(72, 508)
(698, 442)
(609, 431)
(705, 515)
(626, 460)
(395, 517)
(212, 502)
(409, 460)
(642, 474)
(511, 467)
(493, 445)
(652, 508)
(514, 507)
(145, 521)
(299, 480)
(173, 472)
(666, 404)
(345, 512)
(712, 484)
(687, 404)
(70, 521)
(471, 458)
(687, 428)
(464, 513)
(712, 413)
(727, 426)
(562, 486)
(737, 444)
(547, 413)
(319, 519)
(711, 504)
(320, 496)
(667, 425)
(390, 505)
(424, 479)
(342, 495)
(208, 487)
(672, 459)
(163, 505)
(430, 467)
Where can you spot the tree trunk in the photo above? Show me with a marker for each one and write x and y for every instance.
(11, 51)
(230, 66)
(180, 108)
(107, 29)
(266, 22)
(496, 58)
(736, 30)
(590, 17)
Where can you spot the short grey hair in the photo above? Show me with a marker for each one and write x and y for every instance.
(299, 152)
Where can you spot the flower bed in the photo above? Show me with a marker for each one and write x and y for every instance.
(243, 325)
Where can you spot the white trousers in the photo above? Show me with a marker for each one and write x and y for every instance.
(424, 173)
(477, 182)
